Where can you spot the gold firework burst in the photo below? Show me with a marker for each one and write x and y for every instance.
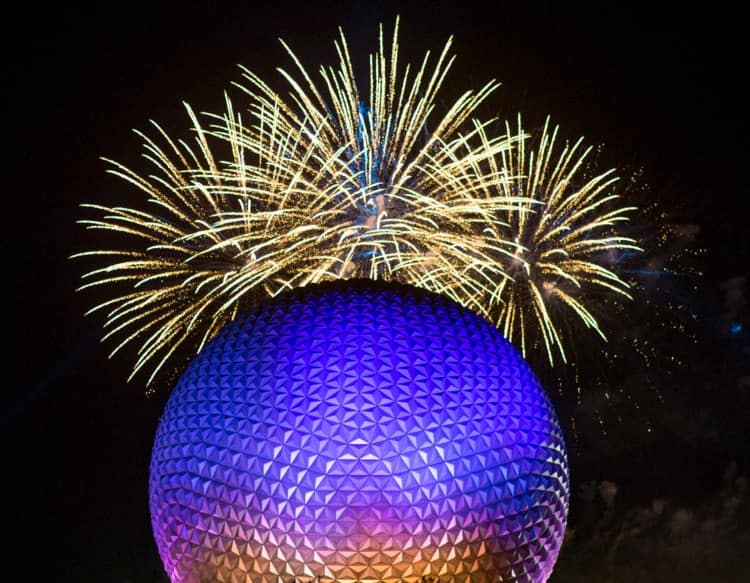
(322, 185)
(563, 223)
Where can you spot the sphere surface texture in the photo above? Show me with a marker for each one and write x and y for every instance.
(358, 432)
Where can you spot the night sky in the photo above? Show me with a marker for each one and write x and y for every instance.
(662, 496)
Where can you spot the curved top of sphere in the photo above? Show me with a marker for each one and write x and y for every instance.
(359, 431)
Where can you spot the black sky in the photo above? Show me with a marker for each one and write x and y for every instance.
(659, 88)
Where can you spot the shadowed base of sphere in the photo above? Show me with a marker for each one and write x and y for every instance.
(473, 563)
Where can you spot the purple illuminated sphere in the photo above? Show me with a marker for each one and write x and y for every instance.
(359, 431)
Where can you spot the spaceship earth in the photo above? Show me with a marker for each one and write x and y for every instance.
(359, 431)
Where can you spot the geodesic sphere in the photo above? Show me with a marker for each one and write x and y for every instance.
(358, 432)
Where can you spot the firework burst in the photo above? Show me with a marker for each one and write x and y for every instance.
(326, 183)
(563, 224)
(318, 186)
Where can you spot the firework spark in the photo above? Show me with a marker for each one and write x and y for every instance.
(643, 365)
(320, 186)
